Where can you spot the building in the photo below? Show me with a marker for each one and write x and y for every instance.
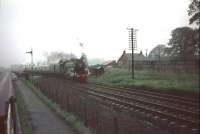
(109, 63)
(126, 58)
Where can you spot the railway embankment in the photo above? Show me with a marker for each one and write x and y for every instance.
(23, 114)
(174, 83)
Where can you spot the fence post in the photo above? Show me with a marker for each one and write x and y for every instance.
(13, 111)
(85, 114)
(68, 103)
(2, 124)
(6, 108)
(116, 127)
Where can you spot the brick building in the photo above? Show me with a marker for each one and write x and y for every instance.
(126, 58)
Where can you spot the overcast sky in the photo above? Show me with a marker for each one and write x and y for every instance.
(101, 25)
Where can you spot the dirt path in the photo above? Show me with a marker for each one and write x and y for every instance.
(43, 120)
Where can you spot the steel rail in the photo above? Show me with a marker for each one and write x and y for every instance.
(147, 101)
(147, 109)
(171, 97)
(175, 102)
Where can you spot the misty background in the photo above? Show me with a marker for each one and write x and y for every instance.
(101, 26)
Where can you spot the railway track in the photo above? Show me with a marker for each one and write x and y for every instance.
(165, 99)
(171, 109)
(154, 94)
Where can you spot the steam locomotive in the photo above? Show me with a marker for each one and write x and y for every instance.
(75, 69)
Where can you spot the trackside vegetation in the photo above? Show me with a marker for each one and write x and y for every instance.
(149, 79)
(23, 113)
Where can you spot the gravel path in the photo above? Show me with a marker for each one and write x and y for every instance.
(43, 120)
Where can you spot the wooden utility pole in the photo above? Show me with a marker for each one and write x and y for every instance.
(133, 42)
(146, 54)
(132, 53)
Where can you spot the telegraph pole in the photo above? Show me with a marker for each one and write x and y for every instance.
(146, 54)
(133, 42)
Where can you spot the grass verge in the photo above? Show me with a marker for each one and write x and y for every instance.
(151, 79)
(23, 113)
(70, 118)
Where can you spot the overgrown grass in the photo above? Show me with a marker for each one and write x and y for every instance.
(69, 117)
(23, 113)
(152, 79)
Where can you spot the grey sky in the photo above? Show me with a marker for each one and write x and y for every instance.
(59, 25)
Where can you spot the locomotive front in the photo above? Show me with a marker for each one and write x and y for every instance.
(81, 70)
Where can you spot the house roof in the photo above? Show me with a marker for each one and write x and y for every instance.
(108, 62)
(137, 56)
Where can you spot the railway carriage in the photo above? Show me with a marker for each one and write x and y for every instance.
(75, 69)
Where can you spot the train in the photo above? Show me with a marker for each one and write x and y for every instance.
(75, 69)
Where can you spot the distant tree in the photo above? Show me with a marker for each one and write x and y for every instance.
(194, 12)
(158, 53)
(184, 43)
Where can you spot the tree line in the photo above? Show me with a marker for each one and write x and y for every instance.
(184, 43)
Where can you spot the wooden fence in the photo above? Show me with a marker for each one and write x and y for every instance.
(191, 66)
(2, 124)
